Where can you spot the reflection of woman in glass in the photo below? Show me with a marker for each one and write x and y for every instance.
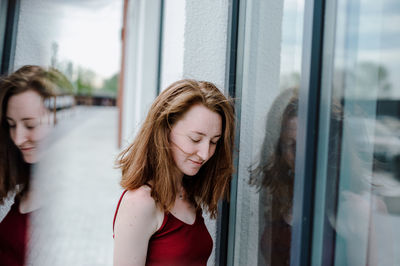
(24, 124)
(349, 227)
(179, 163)
(276, 169)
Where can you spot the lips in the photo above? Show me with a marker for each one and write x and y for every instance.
(196, 162)
(26, 149)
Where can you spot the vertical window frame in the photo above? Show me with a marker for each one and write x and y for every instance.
(307, 135)
(227, 210)
(10, 36)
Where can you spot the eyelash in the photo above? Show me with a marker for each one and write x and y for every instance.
(28, 127)
(197, 141)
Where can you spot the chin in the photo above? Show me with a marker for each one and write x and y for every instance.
(30, 159)
(191, 173)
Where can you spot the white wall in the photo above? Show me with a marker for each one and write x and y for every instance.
(194, 41)
(36, 31)
(173, 42)
(206, 33)
(141, 67)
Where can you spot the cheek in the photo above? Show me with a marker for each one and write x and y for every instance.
(213, 148)
(177, 155)
(12, 134)
(174, 153)
(39, 133)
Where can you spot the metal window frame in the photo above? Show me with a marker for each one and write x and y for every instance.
(3, 22)
(307, 134)
(10, 36)
(160, 46)
(227, 210)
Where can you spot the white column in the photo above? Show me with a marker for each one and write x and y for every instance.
(141, 68)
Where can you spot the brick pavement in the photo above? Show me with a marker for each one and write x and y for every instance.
(78, 191)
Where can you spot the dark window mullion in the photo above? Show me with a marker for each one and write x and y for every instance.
(307, 134)
(226, 210)
(160, 45)
(7, 58)
(3, 23)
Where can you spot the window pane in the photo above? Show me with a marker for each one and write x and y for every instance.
(358, 188)
(269, 77)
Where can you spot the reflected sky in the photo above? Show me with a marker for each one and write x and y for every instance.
(372, 29)
(371, 35)
(292, 36)
(88, 32)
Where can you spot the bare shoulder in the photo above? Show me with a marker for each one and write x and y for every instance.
(140, 196)
(138, 205)
(138, 218)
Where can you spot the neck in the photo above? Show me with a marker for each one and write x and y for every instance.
(181, 194)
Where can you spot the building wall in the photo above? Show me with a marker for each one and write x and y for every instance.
(141, 64)
(36, 27)
(173, 42)
(205, 40)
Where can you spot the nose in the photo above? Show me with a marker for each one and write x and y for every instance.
(18, 135)
(204, 151)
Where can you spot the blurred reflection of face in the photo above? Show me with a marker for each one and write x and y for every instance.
(194, 138)
(288, 141)
(28, 121)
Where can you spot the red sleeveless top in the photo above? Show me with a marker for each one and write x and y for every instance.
(178, 243)
(13, 237)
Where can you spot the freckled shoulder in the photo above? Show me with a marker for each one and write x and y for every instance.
(139, 203)
(138, 218)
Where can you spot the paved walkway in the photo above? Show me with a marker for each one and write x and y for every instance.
(74, 225)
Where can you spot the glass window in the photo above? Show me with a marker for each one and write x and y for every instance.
(74, 186)
(358, 177)
(269, 76)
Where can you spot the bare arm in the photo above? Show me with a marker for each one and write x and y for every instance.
(137, 220)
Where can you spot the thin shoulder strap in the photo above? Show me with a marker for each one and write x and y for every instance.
(116, 211)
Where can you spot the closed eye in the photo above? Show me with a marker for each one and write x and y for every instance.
(194, 140)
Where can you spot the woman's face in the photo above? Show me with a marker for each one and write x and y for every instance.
(194, 137)
(288, 141)
(28, 121)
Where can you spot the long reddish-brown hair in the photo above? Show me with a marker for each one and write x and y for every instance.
(149, 158)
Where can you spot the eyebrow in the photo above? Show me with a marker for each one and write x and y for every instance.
(23, 119)
(202, 134)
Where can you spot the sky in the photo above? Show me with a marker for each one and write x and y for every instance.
(366, 31)
(89, 34)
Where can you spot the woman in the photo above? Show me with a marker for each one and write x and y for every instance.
(274, 176)
(179, 163)
(25, 121)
